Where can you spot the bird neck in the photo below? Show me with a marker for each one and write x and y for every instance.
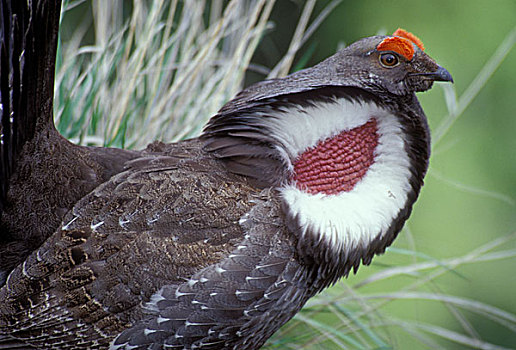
(347, 191)
(347, 166)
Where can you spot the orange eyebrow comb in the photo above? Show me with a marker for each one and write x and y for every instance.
(407, 35)
(401, 42)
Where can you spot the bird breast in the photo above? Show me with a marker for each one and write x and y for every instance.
(350, 171)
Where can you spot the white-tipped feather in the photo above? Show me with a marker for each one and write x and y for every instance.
(357, 217)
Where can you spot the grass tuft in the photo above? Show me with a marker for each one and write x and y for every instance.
(159, 75)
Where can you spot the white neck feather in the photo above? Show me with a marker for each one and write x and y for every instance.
(355, 218)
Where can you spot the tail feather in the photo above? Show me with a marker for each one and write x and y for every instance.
(28, 33)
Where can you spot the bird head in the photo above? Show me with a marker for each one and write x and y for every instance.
(395, 64)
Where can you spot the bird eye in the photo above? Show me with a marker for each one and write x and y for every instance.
(388, 60)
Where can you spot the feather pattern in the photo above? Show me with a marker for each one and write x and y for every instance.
(226, 305)
(99, 266)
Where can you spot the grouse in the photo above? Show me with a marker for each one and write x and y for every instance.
(212, 242)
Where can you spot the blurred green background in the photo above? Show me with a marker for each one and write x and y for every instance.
(464, 223)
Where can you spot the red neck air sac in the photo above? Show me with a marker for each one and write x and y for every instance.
(337, 164)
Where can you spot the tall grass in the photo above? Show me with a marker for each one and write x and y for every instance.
(163, 72)
(159, 75)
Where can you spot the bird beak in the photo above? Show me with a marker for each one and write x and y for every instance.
(441, 74)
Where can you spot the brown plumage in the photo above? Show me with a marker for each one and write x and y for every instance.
(208, 243)
(42, 174)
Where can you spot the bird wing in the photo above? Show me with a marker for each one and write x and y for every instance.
(237, 303)
(148, 230)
